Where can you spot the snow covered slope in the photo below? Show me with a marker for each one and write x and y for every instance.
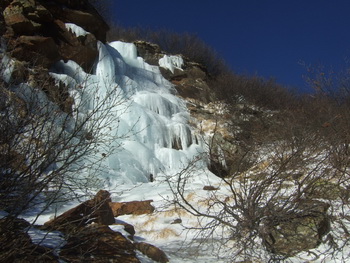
(154, 140)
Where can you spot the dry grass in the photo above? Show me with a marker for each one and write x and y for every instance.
(151, 221)
(190, 196)
(179, 212)
(159, 233)
(166, 233)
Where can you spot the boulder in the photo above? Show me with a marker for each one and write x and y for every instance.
(98, 243)
(299, 231)
(152, 252)
(132, 208)
(95, 210)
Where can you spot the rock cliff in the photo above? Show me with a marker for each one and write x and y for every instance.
(38, 31)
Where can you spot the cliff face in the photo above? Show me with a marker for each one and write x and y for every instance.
(37, 31)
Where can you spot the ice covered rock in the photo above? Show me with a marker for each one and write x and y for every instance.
(171, 62)
(76, 44)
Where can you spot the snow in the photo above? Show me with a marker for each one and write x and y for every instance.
(6, 68)
(51, 239)
(150, 121)
(145, 121)
(171, 62)
(76, 30)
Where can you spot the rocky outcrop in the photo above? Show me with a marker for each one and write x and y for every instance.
(190, 81)
(300, 231)
(95, 210)
(132, 208)
(37, 49)
(150, 52)
(88, 20)
(98, 243)
(36, 31)
(152, 252)
(26, 17)
(81, 49)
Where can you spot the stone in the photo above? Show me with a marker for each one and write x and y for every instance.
(210, 188)
(152, 252)
(298, 231)
(37, 50)
(98, 243)
(132, 208)
(95, 210)
(90, 21)
(17, 246)
(127, 227)
(150, 52)
(26, 17)
(177, 221)
(82, 49)
(14, 17)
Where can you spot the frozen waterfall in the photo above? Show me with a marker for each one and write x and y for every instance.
(152, 132)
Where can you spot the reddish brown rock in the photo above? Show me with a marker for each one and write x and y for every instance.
(127, 227)
(82, 49)
(26, 16)
(91, 21)
(97, 243)
(150, 52)
(94, 210)
(132, 208)
(38, 50)
(152, 252)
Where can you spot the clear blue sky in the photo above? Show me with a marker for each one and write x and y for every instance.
(269, 38)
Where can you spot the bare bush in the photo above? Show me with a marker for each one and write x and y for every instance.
(285, 190)
(49, 155)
